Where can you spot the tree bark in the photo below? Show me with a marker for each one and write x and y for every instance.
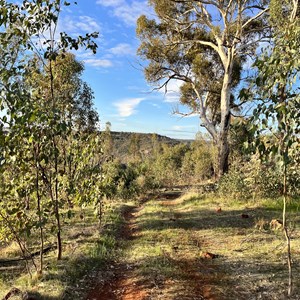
(223, 145)
(223, 153)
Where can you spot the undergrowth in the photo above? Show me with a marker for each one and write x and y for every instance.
(167, 250)
(174, 235)
(87, 249)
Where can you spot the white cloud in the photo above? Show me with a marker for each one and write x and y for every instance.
(126, 107)
(172, 91)
(83, 54)
(88, 24)
(84, 24)
(182, 128)
(122, 49)
(127, 11)
(110, 2)
(99, 63)
(155, 105)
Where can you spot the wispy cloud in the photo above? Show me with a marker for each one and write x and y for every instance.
(122, 50)
(82, 24)
(172, 91)
(110, 2)
(127, 107)
(155, 105)
(183, 128)
(98, 63)
(127, 11)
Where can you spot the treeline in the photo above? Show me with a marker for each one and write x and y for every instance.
(161, 165)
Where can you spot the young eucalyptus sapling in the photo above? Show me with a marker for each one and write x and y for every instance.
(40, 104)
(277, 117)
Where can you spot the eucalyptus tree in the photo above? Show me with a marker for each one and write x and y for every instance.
(73, 96)
(64, 92)
(36, 114)
(277, 117)
(203, 44)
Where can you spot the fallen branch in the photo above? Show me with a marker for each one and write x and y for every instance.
(13, 260)
(13, 292)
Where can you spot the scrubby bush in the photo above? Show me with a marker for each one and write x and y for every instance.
(234, 185)
(119, 180)
(198, 162)
(166, 166)
(249, 176)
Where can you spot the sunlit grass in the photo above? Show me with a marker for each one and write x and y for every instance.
(167, 246)
(86, 249)
(174, 232)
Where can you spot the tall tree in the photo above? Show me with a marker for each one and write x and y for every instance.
(203, 44)
(72, 96)
(277, 117)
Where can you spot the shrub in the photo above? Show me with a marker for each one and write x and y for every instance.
(234, 185)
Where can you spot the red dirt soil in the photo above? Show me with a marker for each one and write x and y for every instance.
(124, 285)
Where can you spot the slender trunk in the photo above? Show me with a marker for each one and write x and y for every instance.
(58, 234)
(286, 232)
(56, 205)
(223, 145)
(101, 211)
(55, 198)
(285, 153)
(37, 186)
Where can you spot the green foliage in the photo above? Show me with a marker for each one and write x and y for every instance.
(167, 165)
(118, 180)
(234, 185)
(46, 109)
(176, 165)
(276, 118)
(187, 43)
(250, 177)
(198, 163)
(134, 147)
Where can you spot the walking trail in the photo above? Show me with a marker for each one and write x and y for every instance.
(171, 273)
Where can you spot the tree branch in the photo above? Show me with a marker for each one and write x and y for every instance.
(254, 18)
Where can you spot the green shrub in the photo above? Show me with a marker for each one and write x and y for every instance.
(234, 185)
(268, 183)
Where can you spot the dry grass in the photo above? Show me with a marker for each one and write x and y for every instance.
(86, 250)
(166, 254)
(173, 236)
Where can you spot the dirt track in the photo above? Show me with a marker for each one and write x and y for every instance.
(122, 285)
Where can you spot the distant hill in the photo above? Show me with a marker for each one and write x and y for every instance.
(122, 142)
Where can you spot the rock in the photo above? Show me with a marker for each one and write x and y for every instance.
(209, 255)
(245, 216)
(276, 224)
(219, 209)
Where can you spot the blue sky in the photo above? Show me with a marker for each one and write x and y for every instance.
(122, 96)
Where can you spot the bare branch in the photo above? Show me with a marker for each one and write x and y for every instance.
(254, 18)
(295, 9)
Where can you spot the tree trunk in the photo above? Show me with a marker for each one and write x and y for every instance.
(59, 245)
(223, 153)
(57, 216)
(223, 145)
